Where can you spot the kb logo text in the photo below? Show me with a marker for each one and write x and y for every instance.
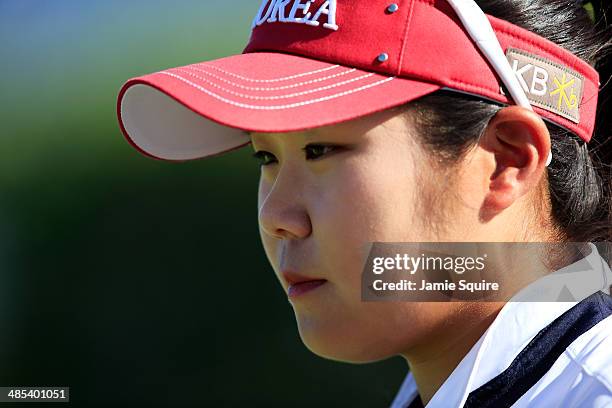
(547, 84)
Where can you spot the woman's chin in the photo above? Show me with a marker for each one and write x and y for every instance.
(333, 343)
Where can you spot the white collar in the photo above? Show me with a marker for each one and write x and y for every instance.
(515, 325)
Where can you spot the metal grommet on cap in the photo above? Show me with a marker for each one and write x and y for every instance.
(392, 8)
(382, 57)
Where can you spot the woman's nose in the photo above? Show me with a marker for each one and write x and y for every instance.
(282, 211)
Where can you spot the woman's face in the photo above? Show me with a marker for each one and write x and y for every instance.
(320, 208)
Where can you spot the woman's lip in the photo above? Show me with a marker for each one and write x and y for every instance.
(298, 289)
(292, 277)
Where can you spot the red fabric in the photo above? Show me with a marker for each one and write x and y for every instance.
(266, 66)
(425, 40)
(427, 46)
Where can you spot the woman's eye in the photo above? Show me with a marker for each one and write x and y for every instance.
(313, 151)
(261, 156)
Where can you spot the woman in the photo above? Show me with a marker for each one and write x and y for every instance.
(399, 122)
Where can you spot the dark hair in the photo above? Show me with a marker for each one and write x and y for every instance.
(580, 177)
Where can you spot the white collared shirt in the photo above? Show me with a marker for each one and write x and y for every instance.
(580, 377)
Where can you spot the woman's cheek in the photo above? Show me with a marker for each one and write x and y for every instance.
(372, 203)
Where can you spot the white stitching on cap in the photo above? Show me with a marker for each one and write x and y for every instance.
(276, 96)
(274, 107)
(267, 80)
(250, 88)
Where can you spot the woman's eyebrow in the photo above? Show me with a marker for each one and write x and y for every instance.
(306, 137)
(260, 141)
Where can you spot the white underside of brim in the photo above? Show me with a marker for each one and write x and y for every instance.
(165, 128)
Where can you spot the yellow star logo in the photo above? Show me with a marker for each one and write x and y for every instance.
(572, 101)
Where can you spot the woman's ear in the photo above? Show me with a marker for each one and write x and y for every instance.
(520, 143)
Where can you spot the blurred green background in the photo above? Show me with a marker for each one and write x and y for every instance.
(133, 281)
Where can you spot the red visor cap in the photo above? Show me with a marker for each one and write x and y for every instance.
(358, 57)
